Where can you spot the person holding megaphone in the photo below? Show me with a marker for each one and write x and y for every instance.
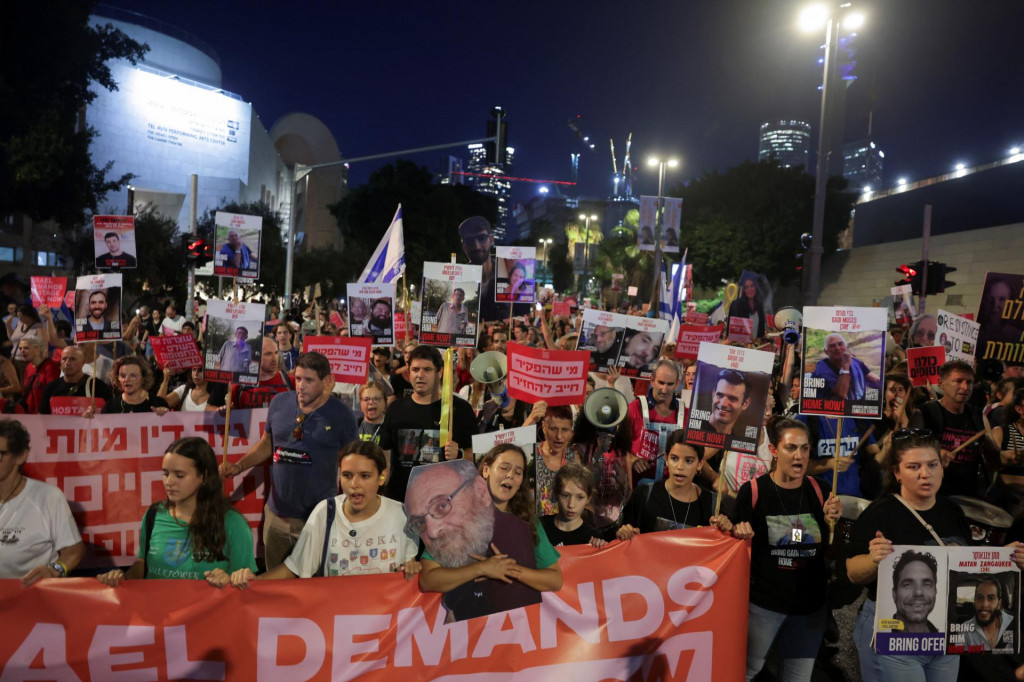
(499, 410)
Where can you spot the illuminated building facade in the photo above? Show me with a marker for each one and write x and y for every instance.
(787, 141)
(862, 164)
(488, 177)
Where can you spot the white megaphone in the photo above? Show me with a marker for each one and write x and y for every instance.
(788, 320)
(490, 368)
(605, 408)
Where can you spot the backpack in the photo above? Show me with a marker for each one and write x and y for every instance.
(332, 507)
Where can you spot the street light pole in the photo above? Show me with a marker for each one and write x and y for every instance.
(586, 254)
(658, 220)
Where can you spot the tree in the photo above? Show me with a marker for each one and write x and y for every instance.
(49, 57)
(751, 217)
(431, 214)
(272, 247)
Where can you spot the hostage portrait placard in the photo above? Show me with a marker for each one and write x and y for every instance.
(601, 334)
(450, 304)
(1001, 316)
(237, 245)
(629, 342)
(515, 274)
(729, 397)
(98, 308)
(371, 312)
(843, 356)
(114, 242)
(234, 341)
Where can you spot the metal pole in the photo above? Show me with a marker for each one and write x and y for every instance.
(293, 226)
(194, 229)
(824, 151)
(586, 259)
(925, 238)
(655, 294)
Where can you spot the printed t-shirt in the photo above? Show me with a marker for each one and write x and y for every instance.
(650, 509)
(169, 554)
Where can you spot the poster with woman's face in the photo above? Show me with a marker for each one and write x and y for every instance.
(514, 278)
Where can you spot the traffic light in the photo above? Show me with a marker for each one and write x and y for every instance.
(197, 250)
(937, 277)
(912, 275)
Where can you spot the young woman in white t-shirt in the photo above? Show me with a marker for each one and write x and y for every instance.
(190, 396)
(360, 514)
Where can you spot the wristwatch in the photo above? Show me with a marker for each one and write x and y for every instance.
(844, 371)
(62, 570)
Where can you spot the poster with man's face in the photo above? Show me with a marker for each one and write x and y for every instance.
(450, 304)
(729, 396)
(371, 312)
(114, 242)
(98, 308)
(642, 340)
(910, 612)
(602, 334)
(236, 246)
(515, 274)
(983, 601)
(234, 342)
(844, 351)
(1001, 316)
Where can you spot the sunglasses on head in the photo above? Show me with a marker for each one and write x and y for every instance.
(903, 434)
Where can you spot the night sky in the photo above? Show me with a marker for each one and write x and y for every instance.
(693, 78)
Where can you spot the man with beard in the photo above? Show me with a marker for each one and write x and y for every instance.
(845, 376)
(639, 348)
(477, 242)
(990, 627)
(913, 590)
(603, 343)
(379, 323)
(955, 421)
(449, 507)
(97, 320)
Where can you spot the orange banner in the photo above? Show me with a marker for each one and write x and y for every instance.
(663, 606)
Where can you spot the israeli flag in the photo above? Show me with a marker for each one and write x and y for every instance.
(388, 261)
(676, 296)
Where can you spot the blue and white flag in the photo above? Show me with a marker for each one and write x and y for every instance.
(676, 298)
(388, 262)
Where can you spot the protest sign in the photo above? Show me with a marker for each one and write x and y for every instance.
(109, 468)
(629, 342)
(602, 335)
(114, 242)
(234, 341)
(98, 308)
(631, 291)
(670, 225)
(903, 308)
(647, 223)
(729, 397)
(48, 291)
(1001, 316)
(349, 356)
(371, 312)
(514, 274)
(692, 335)
(450, 304)
(561, 308)
(558, 377)
(694, 317)
(73, 406)
(401, 326)
(237, 245)
(176, 352)
(524, 436)
(958, 335)
(967, 604)
(335, 319)
(631, 611)
(923, 364)
(741, 329)
(843, 356)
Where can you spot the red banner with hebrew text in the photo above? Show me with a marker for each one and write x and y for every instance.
(556, 376)
(662, 606)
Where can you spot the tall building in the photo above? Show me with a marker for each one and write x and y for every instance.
(862, 164)
(449, 171)
(787, 141)
(489, 177)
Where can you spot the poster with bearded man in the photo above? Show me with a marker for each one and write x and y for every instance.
(98, 308)
(377, 301)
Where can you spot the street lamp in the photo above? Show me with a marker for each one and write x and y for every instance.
(811, 19)
(586, 253)
(661, 164)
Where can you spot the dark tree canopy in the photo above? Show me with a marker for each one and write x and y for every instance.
(49, 57)
(751, 217)
(431, 214)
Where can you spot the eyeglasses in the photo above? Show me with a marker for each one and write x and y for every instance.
(299, 421)
(372, 399)
(903, 434)
(438, 508)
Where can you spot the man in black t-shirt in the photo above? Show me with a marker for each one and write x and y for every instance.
(411, 431)
(75, 382)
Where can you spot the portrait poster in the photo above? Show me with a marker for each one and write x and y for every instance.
(236, 245)
(349, 357)
(601, 334)
(558, 377)
(642, 340)
(1001, 316)
(692, 335)
(98, 308)
(670, 225)
(923, 364)
(48, 291)
(843, 355)
(729, 396)
(647, 224)
(371, 312)
(515, 274)
(910, 615)
(113, 239)
(450, 304)
(904, 310)
(524, 436)
(958, 335)
(234, 341)
(983, 604)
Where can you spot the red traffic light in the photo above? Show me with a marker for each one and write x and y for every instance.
(907, 270)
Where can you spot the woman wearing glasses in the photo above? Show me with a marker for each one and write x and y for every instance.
(913, 514)
(372, 397)
(342, 535)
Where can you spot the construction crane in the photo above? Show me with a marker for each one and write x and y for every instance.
(625, 180)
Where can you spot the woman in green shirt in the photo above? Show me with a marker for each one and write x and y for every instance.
(194, 534)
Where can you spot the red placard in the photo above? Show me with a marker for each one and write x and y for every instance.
(73, 406)
(741, 329)
(176, 352)
(690, 337)
(923, 364)
(48, 291)
(558, 377)
(561, 308)
(629, 611)
(336, 319)
(401, 325)
(693, 317)
(349, 356)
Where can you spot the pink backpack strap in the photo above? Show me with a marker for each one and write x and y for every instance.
(817, 490)
(753, 493)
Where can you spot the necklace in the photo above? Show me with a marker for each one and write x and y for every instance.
(14, 491)
(672, 506)
(795, 534)
(174, 515)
